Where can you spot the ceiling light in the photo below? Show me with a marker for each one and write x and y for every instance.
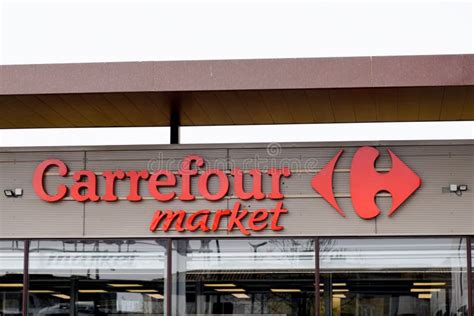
(220, 285)
(425, 290)
(124, 285)
(340, 290)
(63, 296)
(142, 291)
(11, 284)
(240, 295)
(157, 296)
(285, 290)
(41, 291)
(425, 295)
(429, 283)
(339, 284)
(338, 296)
(229, 290)
(92, 291)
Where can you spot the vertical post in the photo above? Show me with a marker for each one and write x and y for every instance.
(317, 299)
(328, 294)
(26, 280)
(169, 278)
(179, 277)
(200, 298)
(174, 122)
(74, 294)
(470, 310)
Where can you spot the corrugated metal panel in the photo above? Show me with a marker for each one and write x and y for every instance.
(313, 217)
(39, 156)
(427, 212)
(125, 218)
(29, 216)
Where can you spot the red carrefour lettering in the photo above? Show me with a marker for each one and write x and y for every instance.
(155, 183)
(203, 217)
(186, 172)
(170, 217)
(217, 218)
(276, 175)
(110, 177)
(276, 216)
(38, 180)
(236, 218)
(256, 192)
(258, 216)
(135, 177)
(83, 191)
(223, 184)
(163, 186)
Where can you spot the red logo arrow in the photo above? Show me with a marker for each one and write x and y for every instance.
(322, 182)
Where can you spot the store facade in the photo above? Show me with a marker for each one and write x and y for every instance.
(371, 228)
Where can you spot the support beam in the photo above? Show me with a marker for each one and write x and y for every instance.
(174, 123)
(26, 280)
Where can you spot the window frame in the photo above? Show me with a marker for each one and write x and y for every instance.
(168, 268)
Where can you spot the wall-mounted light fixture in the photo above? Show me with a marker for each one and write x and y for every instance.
(457, 188)
(13, 193)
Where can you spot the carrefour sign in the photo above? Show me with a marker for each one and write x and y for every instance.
(365, 182)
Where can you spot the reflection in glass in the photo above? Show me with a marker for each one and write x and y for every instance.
(388, 276)
(11, 276)
(97, 277)
(245, 277)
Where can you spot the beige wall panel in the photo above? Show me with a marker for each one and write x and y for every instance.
(132, 219)
(38, 156)
(313, 217)
(427, 212)
(152, 159)
(30, 216)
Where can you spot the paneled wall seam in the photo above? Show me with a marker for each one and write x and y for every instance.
(317, 297)
(84, 204)
(470, 309)
(169, 277)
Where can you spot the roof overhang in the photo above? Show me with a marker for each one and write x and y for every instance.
(252, 74)
(260, 91)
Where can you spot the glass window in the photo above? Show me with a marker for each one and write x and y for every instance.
(11, 276)
(388, 276)
(244, 277)
(97, 277)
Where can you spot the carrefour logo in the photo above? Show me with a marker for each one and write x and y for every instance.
(365, 182)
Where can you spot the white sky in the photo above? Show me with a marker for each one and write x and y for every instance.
(60, 31)
(239, 134)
